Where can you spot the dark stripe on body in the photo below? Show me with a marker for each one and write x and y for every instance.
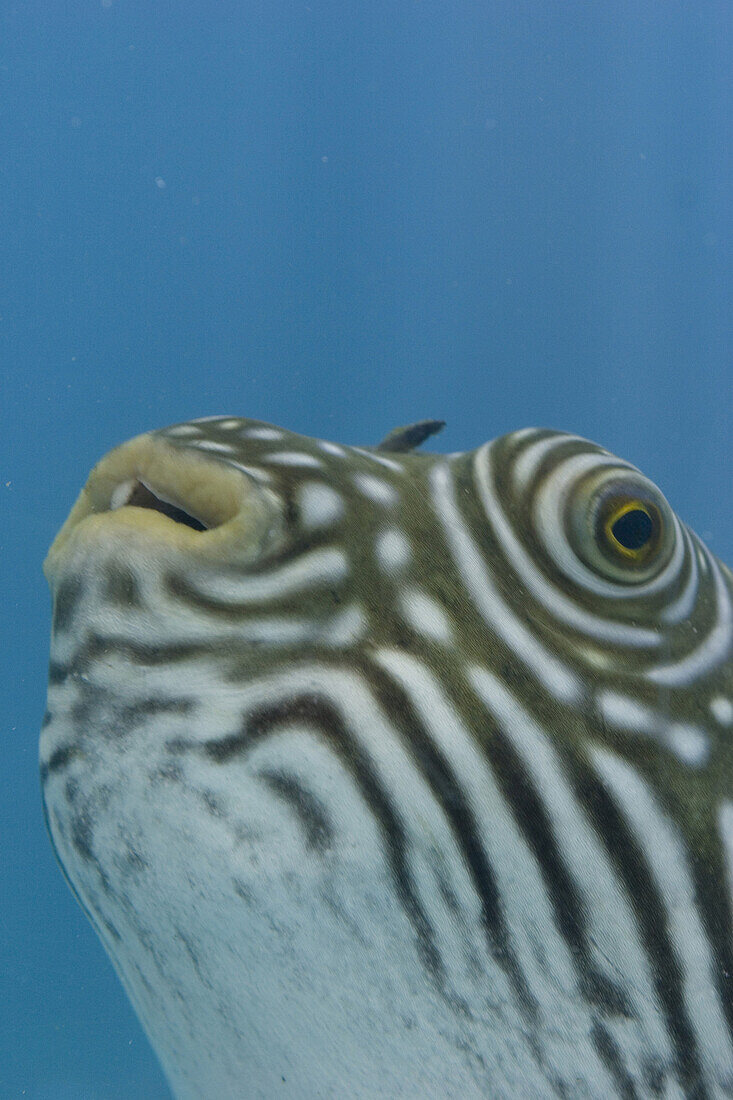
(608, 1051)
(225, 608)
(307, 808)
(440, 778)
(58, 761)
(651, 916)
(121, 588)
(535, 825)
(318, 712)
(66, 602)
(714, 908)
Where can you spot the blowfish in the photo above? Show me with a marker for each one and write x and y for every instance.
(382, 773)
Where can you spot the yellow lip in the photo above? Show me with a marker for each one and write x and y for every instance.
(117, 507)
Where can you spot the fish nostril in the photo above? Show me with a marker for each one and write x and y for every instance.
(137, 495)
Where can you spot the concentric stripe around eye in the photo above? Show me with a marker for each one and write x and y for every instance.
(485, 596)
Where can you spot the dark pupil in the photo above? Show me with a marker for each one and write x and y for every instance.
(633, 529)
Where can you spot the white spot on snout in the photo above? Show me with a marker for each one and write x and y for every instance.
(183, 430)
(392, 550)
(263, 433)
(213, 445)
(294, 458)
(319, 505)
(332, 448)
(377, 490)
(425, 615)
(722, 710)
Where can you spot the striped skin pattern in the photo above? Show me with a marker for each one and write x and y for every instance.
(394, 774)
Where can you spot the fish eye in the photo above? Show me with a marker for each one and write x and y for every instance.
(631, 528)
(622, 527)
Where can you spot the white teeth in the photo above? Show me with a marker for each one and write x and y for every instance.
(121, 495)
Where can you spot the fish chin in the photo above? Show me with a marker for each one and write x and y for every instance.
(245, 923)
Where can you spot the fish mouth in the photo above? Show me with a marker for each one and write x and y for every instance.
(138, 494)
(152, 496)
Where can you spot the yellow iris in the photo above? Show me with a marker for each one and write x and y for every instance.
(629, 529)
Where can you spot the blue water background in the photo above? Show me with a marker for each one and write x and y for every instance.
(338, 217)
